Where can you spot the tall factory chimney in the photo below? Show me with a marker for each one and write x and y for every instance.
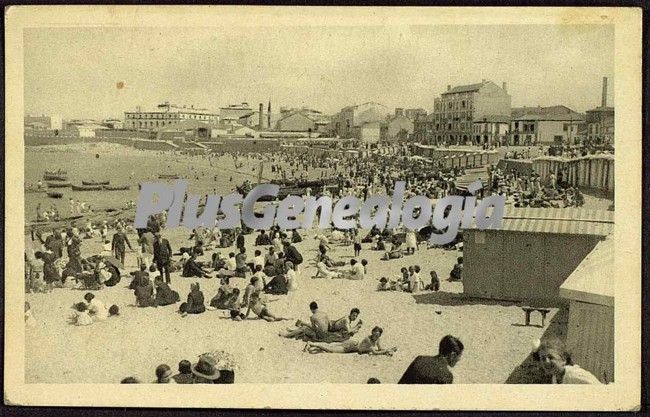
(268, 115)
(261, 116)
(603, 101)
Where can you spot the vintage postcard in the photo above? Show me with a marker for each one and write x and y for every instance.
(323, 207)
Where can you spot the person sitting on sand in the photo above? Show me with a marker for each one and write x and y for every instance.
(115, 276)
(320, 323)
(323, 271)
(231, 263)
(262, 239)
(217, 262)
(278, 285)
(195, 301)
(370, 345)
(258, 259)
(556, 362)
(164, 375)
(261, 278)
(138, 276)
(184, 375)
(347, 324)
(258, 306)
(292, 277)
(270, 258)
(80, 315)
(191, 268)
(240, 263)
(164, 294)
(356, 271)
(223, 294)
(144, 292)
(435, 369)
(96, 307)
(456, 273)
(435, 282)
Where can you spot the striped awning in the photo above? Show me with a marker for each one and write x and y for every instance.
(557, 220)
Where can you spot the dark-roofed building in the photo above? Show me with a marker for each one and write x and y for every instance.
(456, 110)
(532, 254)
(546, 126)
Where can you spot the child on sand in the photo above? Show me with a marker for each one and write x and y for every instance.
(369, 345)
(80, 316)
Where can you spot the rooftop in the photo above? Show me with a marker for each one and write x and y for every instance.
(465, 88)
(593, 280)
(602, 109)
(557, 109)
(576, 117)
(557, 221)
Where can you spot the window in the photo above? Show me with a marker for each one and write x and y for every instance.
(451, 104)
(525, 127)
(463, 103)
(449, 126)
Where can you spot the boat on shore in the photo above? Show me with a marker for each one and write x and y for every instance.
(58, 184)
(103, 182)
(86, 188)
(54, 194)
(55, 177)
(34, 190)
(168, 176)
(116, 187)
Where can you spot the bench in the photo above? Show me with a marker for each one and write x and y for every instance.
(528, 310)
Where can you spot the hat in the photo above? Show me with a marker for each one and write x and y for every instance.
(206, 368)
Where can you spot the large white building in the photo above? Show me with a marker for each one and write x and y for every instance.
(165, 115)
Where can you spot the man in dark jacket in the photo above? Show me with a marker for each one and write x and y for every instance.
(118, 246)
(435, 369)
(162, 254)
(291, 254)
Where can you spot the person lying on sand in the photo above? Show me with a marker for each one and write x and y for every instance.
(370, 345)
(258, 306)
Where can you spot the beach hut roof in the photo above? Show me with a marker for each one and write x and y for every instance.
(593, 280)
(577, 221)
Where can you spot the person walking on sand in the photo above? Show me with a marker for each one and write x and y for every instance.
(435, 369)
(162, 253)
(118, 246)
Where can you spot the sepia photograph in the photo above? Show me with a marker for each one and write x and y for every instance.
(261, 197)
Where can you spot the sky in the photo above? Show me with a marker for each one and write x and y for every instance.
(74, 72)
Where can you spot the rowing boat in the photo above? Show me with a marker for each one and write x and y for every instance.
(58, 184)
(86, 188)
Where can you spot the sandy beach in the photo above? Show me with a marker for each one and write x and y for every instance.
(496, 342)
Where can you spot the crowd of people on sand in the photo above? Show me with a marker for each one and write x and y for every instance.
(528, 190)
(275, 268)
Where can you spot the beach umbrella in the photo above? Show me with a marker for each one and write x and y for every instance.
(113, 261)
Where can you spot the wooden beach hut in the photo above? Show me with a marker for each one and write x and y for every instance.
(532, 254)
(590, 291)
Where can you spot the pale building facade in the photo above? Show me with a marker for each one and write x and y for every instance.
(456, 110)
(165, 115)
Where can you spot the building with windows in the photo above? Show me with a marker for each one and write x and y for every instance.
(457, 108)
(546, 126)
(165, 115)
(352, 121)
(491, 130)
(423, 128)
(600, 125)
